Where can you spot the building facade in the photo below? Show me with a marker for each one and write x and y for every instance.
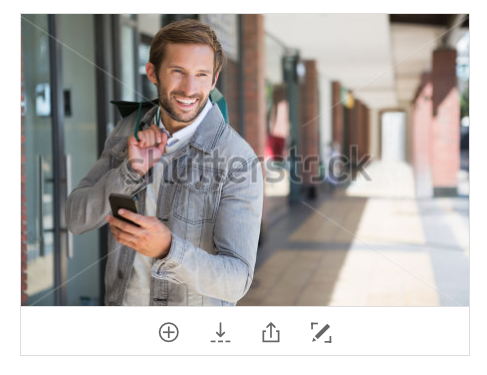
(72, 67)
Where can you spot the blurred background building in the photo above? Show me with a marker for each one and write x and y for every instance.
(316, 95)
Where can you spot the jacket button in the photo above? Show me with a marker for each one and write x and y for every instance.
(112, 303)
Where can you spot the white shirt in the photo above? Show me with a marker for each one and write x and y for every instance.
(186, 132)
(138, 290)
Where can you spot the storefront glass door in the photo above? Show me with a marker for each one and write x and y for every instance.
(80, 146)
(62, 269)
(38, 160)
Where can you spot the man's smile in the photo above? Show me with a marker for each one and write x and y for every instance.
(185, 103)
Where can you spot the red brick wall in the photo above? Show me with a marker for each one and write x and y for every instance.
(231, 92)
(436, 128)
(254, 81)
(351, 132)
(308, 128)
(364, 131)
(421, 123)
(254, 116)
(366, 140)
(358, 126)
(446, 121)
(363, 141)
(337, 114)
(23, 204)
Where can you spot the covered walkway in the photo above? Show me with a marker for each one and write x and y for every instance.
(371, 244)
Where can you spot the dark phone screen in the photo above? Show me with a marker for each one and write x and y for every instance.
(118, 201)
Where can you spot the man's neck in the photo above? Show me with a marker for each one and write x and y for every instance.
(171, 125)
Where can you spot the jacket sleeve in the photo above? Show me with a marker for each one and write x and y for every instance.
(228, 274)
(88, 204)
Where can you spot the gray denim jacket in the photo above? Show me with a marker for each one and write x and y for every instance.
(210, 198)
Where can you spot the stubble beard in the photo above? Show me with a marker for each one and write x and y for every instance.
(165, 103)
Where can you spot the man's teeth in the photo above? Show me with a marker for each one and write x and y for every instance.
(187, 102)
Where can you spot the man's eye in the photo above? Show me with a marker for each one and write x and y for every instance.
(177, 71)
(202, 74)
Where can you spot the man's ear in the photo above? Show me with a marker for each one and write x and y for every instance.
(214, 81)
(150, 70)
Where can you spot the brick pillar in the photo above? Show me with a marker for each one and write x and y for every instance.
(308, 128)
(254, 81)
(366, 150)
(422, 118)
(363, 142)
(231, 89)
(351, 131)
(254, 99)
(23, 199)
(337, 113)
(446, 123)
(358, 128)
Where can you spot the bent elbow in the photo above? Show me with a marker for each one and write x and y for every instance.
(244, 283)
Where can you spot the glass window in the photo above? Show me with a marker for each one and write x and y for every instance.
(38, 159)
(149, 90)
(127, 43)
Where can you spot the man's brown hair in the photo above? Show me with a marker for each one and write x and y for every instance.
(186, 31)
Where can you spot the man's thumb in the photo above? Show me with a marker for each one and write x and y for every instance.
(132, 141)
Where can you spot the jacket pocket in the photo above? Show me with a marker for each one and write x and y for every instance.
(197, 194)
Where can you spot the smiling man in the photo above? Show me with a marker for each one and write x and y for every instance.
(198, 185)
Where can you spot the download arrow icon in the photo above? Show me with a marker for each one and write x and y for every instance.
(220, 334)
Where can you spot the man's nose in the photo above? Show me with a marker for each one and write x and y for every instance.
(188, 85)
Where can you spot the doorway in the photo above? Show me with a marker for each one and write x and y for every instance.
(393, 140)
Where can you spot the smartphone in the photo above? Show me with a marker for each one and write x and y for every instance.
(127, 202)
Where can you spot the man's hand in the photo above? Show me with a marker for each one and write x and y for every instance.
(152, 239)
(148, 151)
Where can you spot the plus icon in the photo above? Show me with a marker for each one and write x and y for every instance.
(166, 332)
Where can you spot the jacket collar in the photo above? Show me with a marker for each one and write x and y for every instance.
(209, 131)
(206, 134)
(146, 119)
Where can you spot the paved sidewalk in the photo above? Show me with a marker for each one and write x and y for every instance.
(373, 244)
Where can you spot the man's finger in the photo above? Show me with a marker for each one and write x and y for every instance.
(157, 133)
(125, 238)
(151, 137)
(142, 139)
(132, 141)
(123, 225)
(132, 216)
(163, 142)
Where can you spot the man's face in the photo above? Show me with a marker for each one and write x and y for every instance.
(184, 80)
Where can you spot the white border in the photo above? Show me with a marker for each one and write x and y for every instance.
(376, 365)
